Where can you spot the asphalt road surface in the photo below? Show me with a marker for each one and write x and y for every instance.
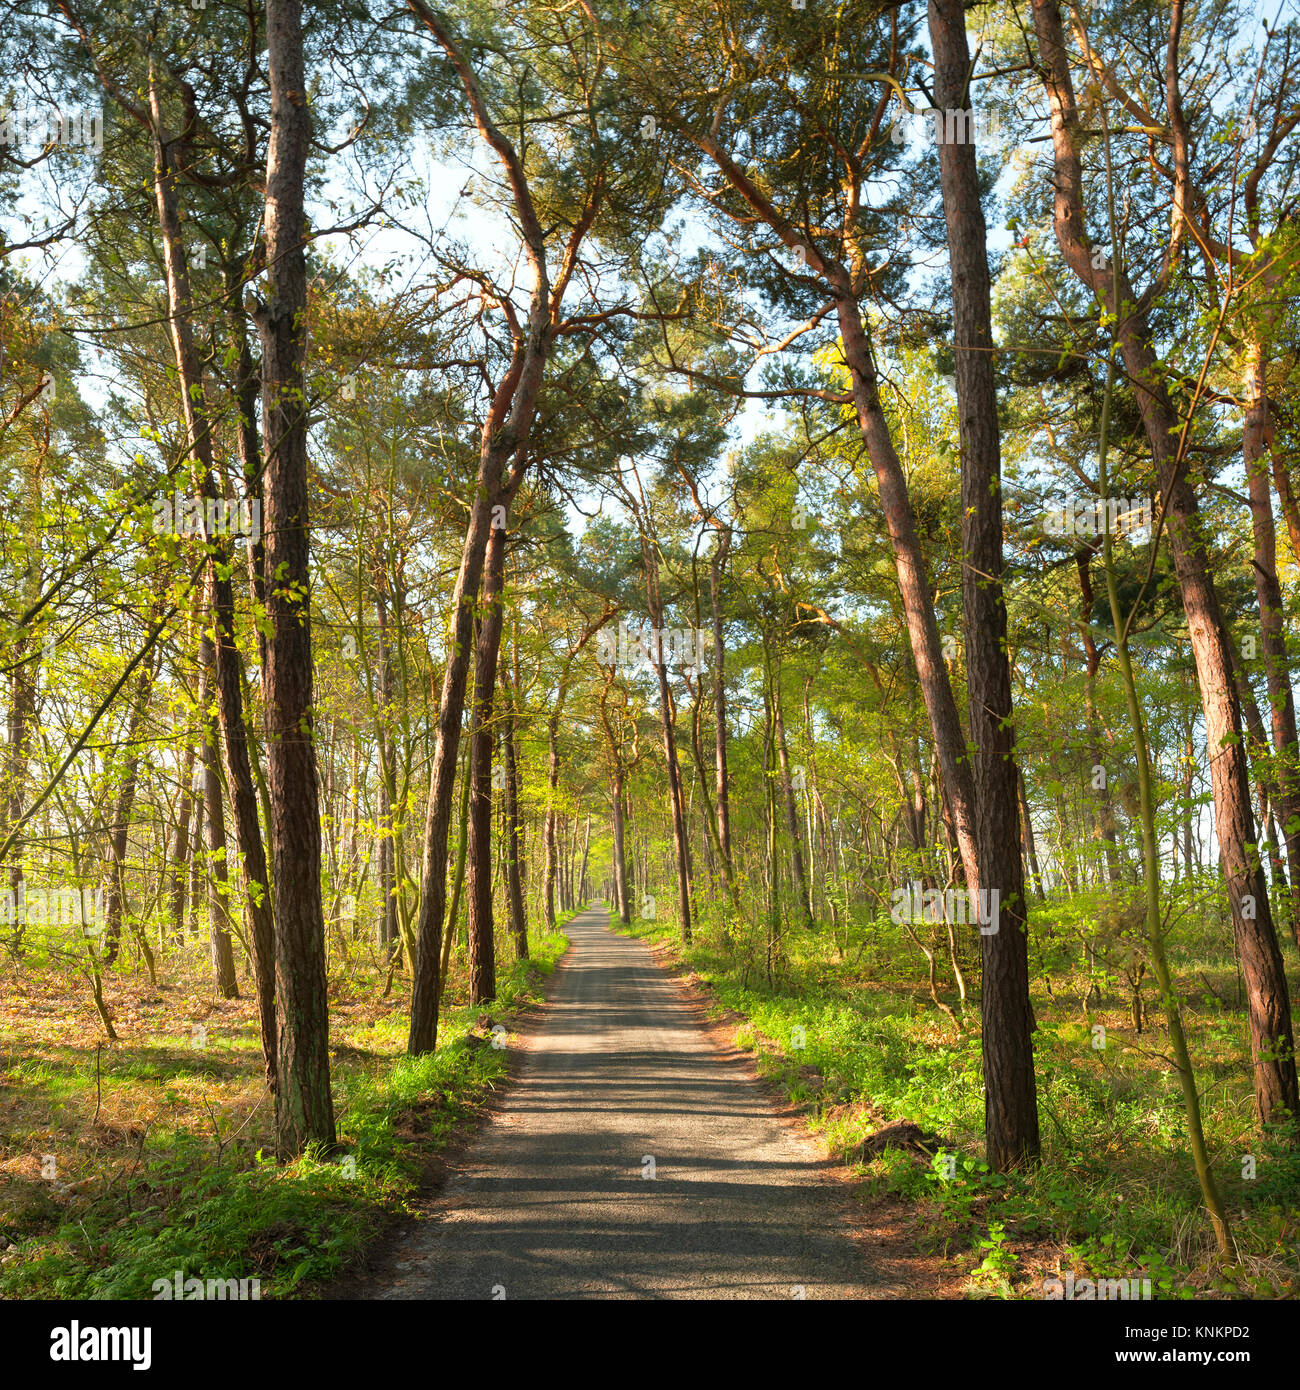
(630, 1159)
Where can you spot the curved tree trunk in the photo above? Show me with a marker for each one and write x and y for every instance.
(505, 433)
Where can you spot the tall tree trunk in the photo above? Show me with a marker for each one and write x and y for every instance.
(1272, 1046)
(119, 830)
(304, 1106)
(722, 792)
(548, 831)
(180, 854)
(845, 288)
(227, 673)
(622, 894)
(818, 857)
(505, 432)
(707, 812)
(221, 949)
(22, 710)
(580, 899)
(514, 837)
(244, 806)
(24, 657)
(389, 931)
(769, 808)
(458, 879)
(247, 442)
(482, 943)
(1010, 1098)
(501, 423)
(914, 588)
(197, 834)
(1027, 829)
(1256, 442)
(791, 807)
(676, 801)
(634, 885)
(569, 840)
(1262, 762)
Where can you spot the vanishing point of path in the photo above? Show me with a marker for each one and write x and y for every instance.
(549, 1201)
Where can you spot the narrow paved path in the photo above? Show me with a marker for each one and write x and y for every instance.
(551, 1202)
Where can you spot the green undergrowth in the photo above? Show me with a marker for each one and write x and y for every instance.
(847, 1025)
(198, 1190)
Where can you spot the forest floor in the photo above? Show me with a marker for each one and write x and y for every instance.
(122, 1163)
(798, 1122)
(635, 1155)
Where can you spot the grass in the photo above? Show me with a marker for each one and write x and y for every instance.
(162, 1164)
(847, 1025)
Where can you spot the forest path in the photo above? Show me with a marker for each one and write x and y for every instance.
(549, 1200)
